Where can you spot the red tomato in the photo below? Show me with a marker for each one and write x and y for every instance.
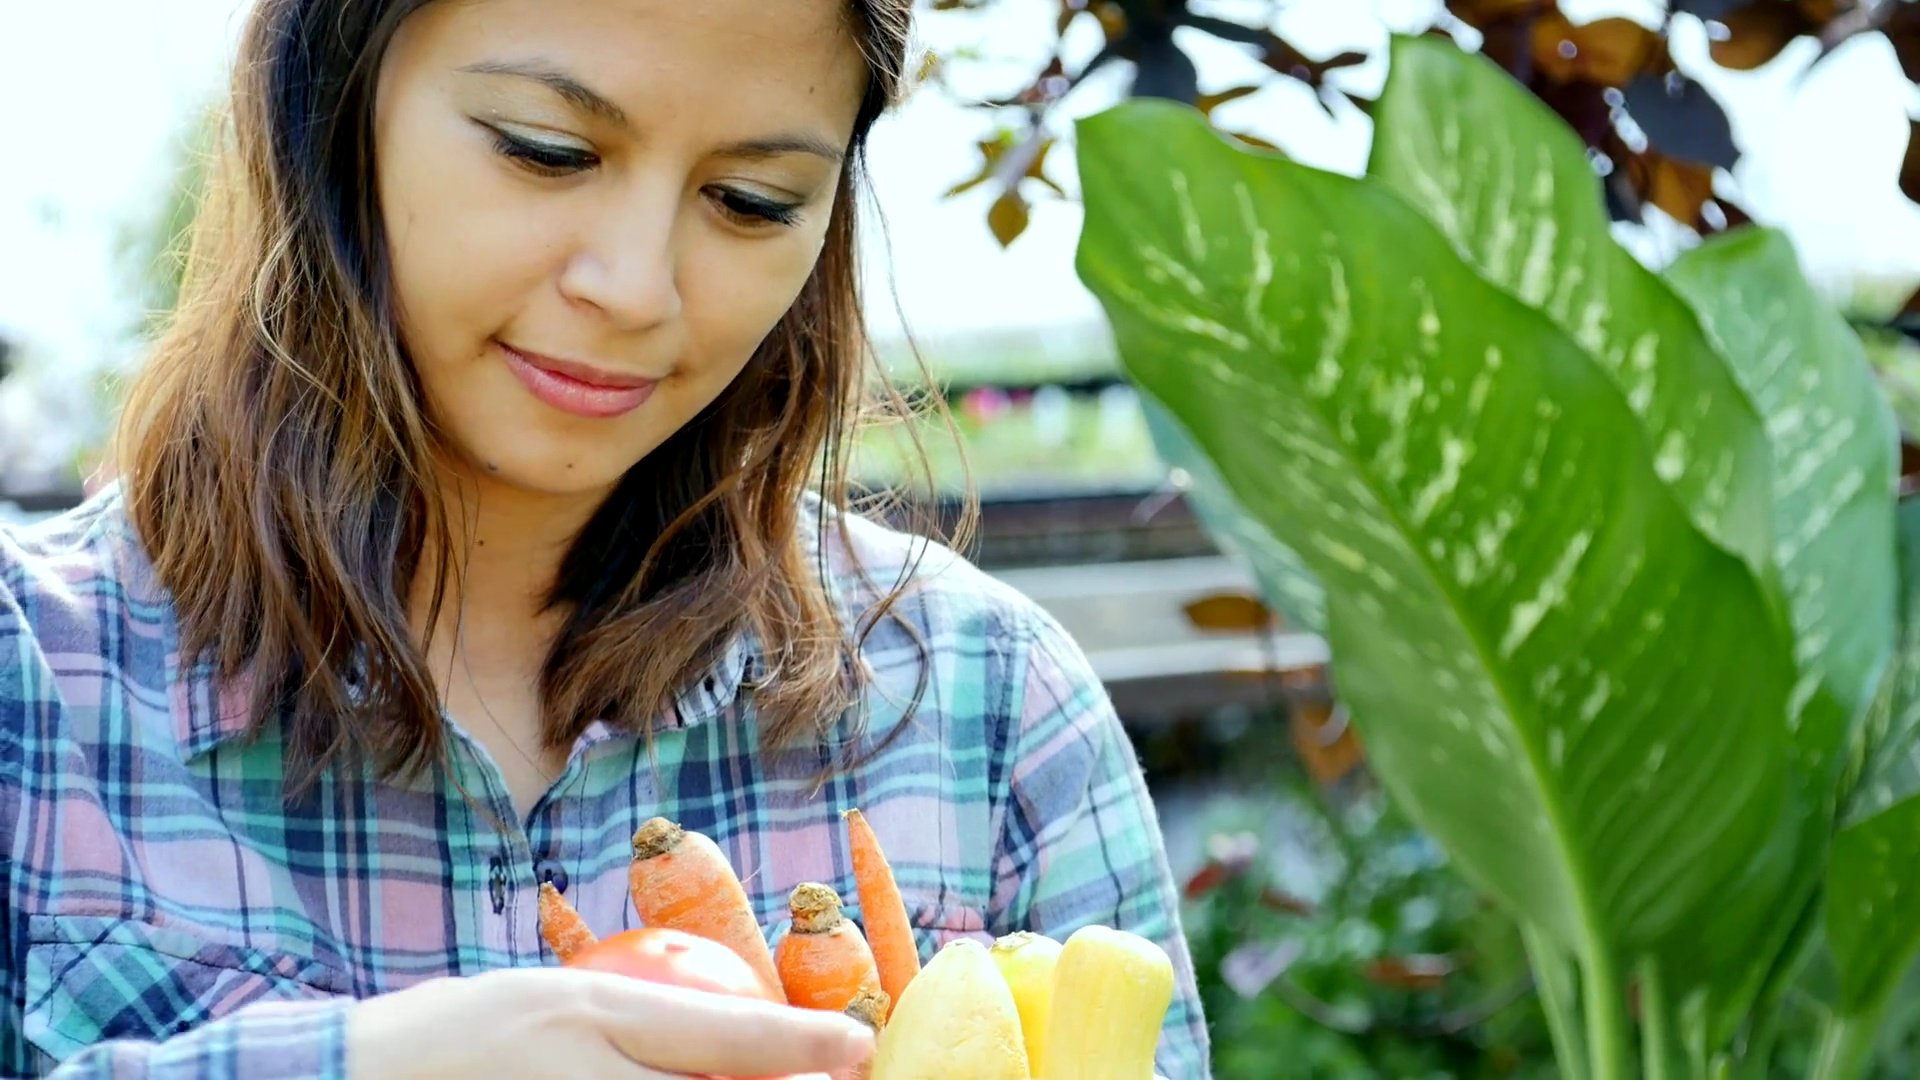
(676, 958)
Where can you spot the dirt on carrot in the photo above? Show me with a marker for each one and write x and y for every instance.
(824, 961)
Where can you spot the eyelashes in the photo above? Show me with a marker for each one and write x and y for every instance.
(551, 160)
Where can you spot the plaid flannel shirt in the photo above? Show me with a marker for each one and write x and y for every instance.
(164, 913)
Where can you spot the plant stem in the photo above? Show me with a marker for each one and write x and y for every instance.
(1846, 1042)
(1554, 975)
(1609, 1039)
(1657, 1046)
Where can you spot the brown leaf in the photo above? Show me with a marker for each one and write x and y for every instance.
(1417, 971)
(1282, 57)
(1324, 741)
(1903, 30)
(1206, 103)
(1481, 14)
(1038, 170)
(1910, 165)
(1681, 189)
(1254, 141)
(1230, 612)
(991, 151)
(1757, 32)
(1008, 217)
(1606, 52)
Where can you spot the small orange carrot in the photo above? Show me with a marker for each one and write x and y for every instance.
(824, 962)
(566, 933)
(889, 932)
(682, 880)
(870, 1007)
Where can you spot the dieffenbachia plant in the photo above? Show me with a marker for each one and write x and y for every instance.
(1606, 556)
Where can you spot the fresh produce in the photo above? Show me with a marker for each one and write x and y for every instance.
(565, 932)
(682, 880)
(889, 931)
(674, 957)
(870, 1007)
(824, 961)
(1111, 991)
(656, 954)
(1027, 961)
(957, 1019)
(1029, 1008)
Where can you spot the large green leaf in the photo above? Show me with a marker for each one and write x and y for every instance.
(1835, 449)
(1873, 878)
(1564, 680)
(1836, 466)
(1283, 579)
(1510, 184)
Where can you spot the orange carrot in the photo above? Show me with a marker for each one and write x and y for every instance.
(566, 933)
(889, 933)
(824, 962)
(870, 1007)
(682, 880)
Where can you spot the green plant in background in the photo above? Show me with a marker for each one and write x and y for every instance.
(1607, 556)
(1397, 969)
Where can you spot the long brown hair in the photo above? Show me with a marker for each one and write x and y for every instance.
(277, 458)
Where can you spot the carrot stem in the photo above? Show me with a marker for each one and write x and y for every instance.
(889, 932)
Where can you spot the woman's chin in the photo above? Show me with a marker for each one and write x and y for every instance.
(556, 474)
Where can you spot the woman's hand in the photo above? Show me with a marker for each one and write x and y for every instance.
(569, 1023)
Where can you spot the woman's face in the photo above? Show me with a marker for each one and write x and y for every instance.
(597, 209)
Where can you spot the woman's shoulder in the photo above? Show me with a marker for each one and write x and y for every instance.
(870, 562)
(929, 590)
(62, 576)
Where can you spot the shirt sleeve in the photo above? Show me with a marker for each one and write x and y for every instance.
(270, 1040)
(1081, 842)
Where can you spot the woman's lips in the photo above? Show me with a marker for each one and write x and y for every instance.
(577, 389)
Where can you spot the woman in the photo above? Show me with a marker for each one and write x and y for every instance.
(484, 500)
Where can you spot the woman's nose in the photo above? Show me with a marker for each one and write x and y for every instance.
(626, 267)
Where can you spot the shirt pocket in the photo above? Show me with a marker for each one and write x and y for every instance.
(94, 978)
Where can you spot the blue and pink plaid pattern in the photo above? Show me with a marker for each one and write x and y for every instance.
(167, 914)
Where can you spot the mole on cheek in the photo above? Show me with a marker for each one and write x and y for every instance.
(493, 466)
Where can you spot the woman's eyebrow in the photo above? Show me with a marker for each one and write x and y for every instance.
(776, 145)
(575, 92)
(589, 100)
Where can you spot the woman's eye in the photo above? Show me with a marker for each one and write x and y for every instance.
(754, 210)
(543, 158)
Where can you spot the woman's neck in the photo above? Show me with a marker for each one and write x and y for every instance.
(505, 549)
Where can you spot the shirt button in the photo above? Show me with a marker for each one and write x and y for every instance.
(549, 871)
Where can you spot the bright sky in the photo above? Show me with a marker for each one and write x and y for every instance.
(93, 92)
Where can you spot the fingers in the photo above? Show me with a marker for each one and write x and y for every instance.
(683, 1031)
